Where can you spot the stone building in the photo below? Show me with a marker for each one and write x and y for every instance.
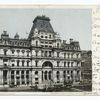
(41, 59)
(86, 66)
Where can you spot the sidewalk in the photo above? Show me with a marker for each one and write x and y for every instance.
(14, 89)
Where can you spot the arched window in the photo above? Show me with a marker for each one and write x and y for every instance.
(36, 53)
(47, 63)
(68, 64)
(57, 54)
(36, 43)
(72, 74)
(50, 36)
(27, 63)
(12, 72)
(77, 55)
(68, 55)
(58, 75)
(77, 63)
(27, 72)
(22, 72)
(71, 55)
(57, 45)
(5, 52)
(27, 76)
(17, 72)
(49, 75)
(36, 72)
(27, 53)
(23, 63)
(45, 53)
(42, 75)
(18, 62)
(13, 51)
(23, 51)
(64, 73)
(18, 51)
(45, 75)
(22, 76)
(71, 64)
(58, 63)
(36, 63)
(65, 55)
(64, 64)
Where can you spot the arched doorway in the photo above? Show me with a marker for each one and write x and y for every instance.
(47, 72)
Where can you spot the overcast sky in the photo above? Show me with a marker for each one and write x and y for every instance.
(69, 23)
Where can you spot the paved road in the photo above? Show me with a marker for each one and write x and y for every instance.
(28, 89)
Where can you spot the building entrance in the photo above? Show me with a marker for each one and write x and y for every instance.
(47, 73)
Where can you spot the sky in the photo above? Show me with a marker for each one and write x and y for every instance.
(69, 23)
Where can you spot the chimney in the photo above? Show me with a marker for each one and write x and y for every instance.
(71, 40)
(5, 32)
(64, 41)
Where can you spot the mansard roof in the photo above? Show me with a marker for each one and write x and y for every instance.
(42, 23)
(43, 17)
(72, 45)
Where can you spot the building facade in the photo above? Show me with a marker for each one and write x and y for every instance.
(86, 66)
(41, 59)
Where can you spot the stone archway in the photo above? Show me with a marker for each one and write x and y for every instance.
(47, 72)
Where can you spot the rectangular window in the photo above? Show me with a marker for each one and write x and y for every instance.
(12, 65)
(68, 64)
(64, 55)
(36, 79)
(12, 51)
(18, 63)
(27, 54)
(71, 64)
(36, 63)
(27, 63)
(68, 55)
(49, 53)
(57, 54)
(5, 52)
(71, 55)
(57, 63)
(45, 53)
(46, 46)
(22, 63)
(36, 53)
(5, 60)
(64, 64)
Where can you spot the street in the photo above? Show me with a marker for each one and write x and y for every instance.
(28, 89)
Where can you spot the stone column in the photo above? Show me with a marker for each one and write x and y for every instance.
(33, 78)
(61, 76)
(20, 77)
(48, 76)
(1, 77)
(15, 77)
(54, 77)
(43, 76)
(74, 76)
(8, 77)
(25, 76)
(80, 75)
(30, 77)
(40, 79)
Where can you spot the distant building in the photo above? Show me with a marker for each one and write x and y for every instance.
(41, 59)
(87, 66)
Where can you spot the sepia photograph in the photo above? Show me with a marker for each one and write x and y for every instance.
(45, 49)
